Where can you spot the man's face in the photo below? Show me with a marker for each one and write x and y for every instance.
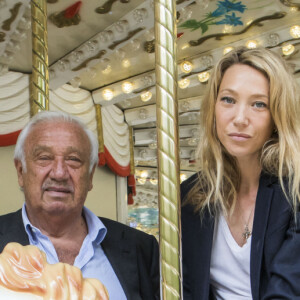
(57, 178)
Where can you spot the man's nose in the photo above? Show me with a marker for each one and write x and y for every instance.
(241, 116)
(59, 170)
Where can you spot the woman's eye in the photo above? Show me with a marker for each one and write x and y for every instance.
(228, 100)
(260, 104)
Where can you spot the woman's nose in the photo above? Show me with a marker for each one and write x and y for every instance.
(241, 116)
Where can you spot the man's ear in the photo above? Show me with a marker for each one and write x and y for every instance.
(91, 178)
(20, 171)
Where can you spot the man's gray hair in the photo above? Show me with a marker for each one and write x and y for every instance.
(51, 116)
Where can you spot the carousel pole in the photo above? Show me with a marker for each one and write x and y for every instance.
(168, 157)
(39, 83)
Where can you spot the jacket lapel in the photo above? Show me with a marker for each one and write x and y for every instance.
(123, 258)
(13, 230)
(262, 208)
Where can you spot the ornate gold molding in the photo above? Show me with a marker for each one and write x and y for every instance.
(167, 149)
(39, 93)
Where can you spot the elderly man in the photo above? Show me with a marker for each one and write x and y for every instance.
(55, 158)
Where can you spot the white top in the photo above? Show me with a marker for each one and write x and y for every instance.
(230, 265)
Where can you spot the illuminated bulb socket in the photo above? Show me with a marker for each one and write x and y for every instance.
(227, 50)
(183, 177)
(203, 76)
(120, 54)
(107, 70)
(251, 44)
(143, 155)
(273, 39)
(144, 174)
(126, 63)
(146, 96)
(92, 46)
(184, 83)
(153, 146)
(140, 14)
(142, 180)
(127, 87)
(75, 82)
(206, 61)
(186, 67)
(185, 106)
(143, 114)
(153, 181)
(109, 35)
(63, 65)
(107, 94)
(288, 49)
(147, 80)
(135, 45)
(76, 56)
(295, 31)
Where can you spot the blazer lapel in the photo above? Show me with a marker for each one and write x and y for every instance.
(262, 207)
(123, 258)
(13, 230)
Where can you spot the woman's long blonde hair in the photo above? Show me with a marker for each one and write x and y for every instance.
(219, 176)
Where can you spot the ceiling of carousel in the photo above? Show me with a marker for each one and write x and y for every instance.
(95, 46)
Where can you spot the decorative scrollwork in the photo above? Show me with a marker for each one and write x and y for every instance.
(14, 12)
(219, 36)
(129, 36)
(106, 7)
(84, 64)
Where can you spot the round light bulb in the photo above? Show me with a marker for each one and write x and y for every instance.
(203, 76)
(251, 44)
(183, 177)
(146, 96)
(288, 49)
(186, 66)
(144, 174)
(184, 83)
(227, 50)
(153, 181)
(127, 87)
(142, 180)
(295, 31)
(126, 63)
(107, 94)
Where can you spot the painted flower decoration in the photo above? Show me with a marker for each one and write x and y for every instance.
(221, 15)
(228, 6)
(230, 20)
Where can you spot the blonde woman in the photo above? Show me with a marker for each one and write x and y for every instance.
(240, 236)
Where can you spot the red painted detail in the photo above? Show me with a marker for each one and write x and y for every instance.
(130, 200)
(131, 180)
(179, 35)
(101, 157)
(114, 166)
(72, 10)
(9, 139)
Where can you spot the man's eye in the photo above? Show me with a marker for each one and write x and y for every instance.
(74, 158)
(44, 157)
(228, 100)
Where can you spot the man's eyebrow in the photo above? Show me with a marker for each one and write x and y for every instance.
(40, 148)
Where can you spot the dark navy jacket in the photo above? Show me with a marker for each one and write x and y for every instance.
(275, 247)
(133, 254)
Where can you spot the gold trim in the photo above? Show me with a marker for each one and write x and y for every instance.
(39, 83)
(131, 145)
(99, 128)
(167, 150)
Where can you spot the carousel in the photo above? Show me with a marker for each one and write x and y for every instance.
(135, 73)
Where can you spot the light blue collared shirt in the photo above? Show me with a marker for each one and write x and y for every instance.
(91, 259)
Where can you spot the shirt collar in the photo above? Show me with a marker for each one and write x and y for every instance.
(96, 229)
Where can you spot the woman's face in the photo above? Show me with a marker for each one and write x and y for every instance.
(243, 117)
